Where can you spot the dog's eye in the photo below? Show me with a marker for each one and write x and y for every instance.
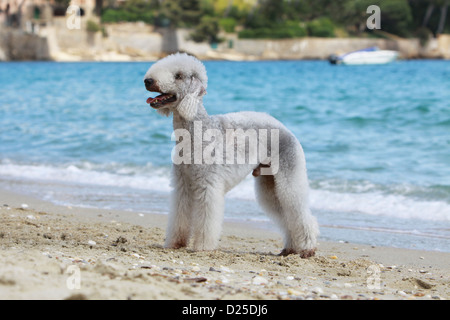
(179, 76)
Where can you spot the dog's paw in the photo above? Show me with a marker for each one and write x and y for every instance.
(303, 253)
(308, 253)
(176, 245)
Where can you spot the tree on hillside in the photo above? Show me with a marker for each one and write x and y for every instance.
(274, 11)
(280, 18)
(433, 14)
(179, 13)
(443, 17)
(98, 7)
(428, 13)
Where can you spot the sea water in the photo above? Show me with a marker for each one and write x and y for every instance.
(376, 140)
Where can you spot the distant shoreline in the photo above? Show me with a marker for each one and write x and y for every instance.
(203, 59)
(140, 42)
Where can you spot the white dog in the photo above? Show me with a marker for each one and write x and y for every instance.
(203, 177)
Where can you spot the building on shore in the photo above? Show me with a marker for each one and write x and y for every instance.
(31, 15)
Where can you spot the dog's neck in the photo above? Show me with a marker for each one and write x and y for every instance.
(181, 123)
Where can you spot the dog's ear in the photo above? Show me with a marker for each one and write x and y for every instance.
(189, 104)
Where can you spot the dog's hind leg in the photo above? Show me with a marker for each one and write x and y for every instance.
(179, 227)
(285, 198)
(207, 216)
(300, 225)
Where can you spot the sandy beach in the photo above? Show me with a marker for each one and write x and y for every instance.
(57, 252)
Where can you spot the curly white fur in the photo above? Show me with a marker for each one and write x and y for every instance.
(197, 203)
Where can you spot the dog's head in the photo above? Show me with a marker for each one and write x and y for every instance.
(181, 81)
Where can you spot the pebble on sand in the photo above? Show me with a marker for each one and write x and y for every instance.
(258, 280)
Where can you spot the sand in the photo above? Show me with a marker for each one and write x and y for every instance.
(58, 252)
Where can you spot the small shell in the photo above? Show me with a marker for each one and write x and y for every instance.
(226, 269)
(258, 280)
(317, 290)
(293, 292)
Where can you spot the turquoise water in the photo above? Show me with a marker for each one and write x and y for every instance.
(376, 139)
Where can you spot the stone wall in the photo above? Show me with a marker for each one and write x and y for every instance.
(17, 45)
(118, 42)
(444, 45)
(321, 48)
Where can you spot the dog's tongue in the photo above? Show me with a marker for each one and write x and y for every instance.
(150, 100)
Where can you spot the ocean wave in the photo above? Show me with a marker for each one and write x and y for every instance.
(359, 197)
(380, 204)
(86, 173)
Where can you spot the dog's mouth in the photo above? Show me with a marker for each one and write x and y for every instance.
(161, 100)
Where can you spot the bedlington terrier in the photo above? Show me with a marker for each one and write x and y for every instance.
(214, 153)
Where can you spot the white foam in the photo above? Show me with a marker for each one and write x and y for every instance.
(378, 203)
(363, 200)
(157, 179)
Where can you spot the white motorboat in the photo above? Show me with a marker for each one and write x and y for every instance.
(372, 55)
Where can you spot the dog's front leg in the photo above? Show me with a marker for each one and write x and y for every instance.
(207, 216)
(180, 215)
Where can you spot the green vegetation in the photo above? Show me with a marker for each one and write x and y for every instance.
(321, 27)
(206, 30)
(285, 18)
(289, 29)
(121, 15)
(92, 26)
(131, 11)
(228, 24)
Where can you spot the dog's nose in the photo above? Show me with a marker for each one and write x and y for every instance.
(148, 82)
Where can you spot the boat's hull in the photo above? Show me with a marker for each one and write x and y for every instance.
(370, 57)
